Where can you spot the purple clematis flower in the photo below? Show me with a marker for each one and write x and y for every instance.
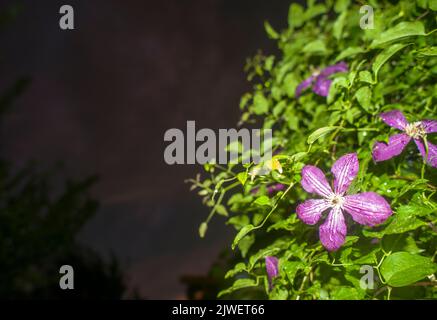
(319, 80)
(272, 269)
(367, 208)
(396, 143)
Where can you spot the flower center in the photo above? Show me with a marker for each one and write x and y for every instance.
(415, 130)
(336, 200)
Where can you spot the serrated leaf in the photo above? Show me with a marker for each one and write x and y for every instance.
(403, 268)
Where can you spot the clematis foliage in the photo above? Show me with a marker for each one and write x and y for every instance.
(346, 194)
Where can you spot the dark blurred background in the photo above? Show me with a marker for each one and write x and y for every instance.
(97, 100)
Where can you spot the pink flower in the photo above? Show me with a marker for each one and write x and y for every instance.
(319, 81)
(367, 208)
(396, 143)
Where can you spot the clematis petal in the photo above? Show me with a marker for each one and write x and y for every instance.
(395, 119)
(432, 152)
(367, 208)
(429, 125)
(345, 170)
(395, 146)
(272, 266)
(314, 181)
(303, 85)
(272, 269)
(322, 85)
(339, 67)
(311, 210)
(333, 231)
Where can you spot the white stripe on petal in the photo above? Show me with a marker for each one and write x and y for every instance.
(314, 181)
(345, 170)
(333, 231)
(311, 210)
(368, 208)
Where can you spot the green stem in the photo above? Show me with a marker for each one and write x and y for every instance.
(422, 173)
(219, 200)
(388, 292)
(274, 207)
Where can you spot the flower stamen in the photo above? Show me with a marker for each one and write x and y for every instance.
(415, 130)
(336, 200)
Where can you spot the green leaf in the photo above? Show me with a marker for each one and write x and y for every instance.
(319, 133)
(428, 52)
(415, 209)
(403, 268)
(350, 51)
(295, 15)
(262, 201)
(278, 294)
(239, 267)
(339, 25)
(270, 31)
(403, 221)
(242, 177)
(316, 46)
(202, 229)
(365, 76)
(341, 5)
(290, 268)
(400, 31)
(346, 293)
(238, 284)
(364, 97)
(269, 251)
(260, 104)
(245, 244)
(384, 56)
(221, 210)
(241, 234)
(277, 110)
(244, 100)
(314, 11)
